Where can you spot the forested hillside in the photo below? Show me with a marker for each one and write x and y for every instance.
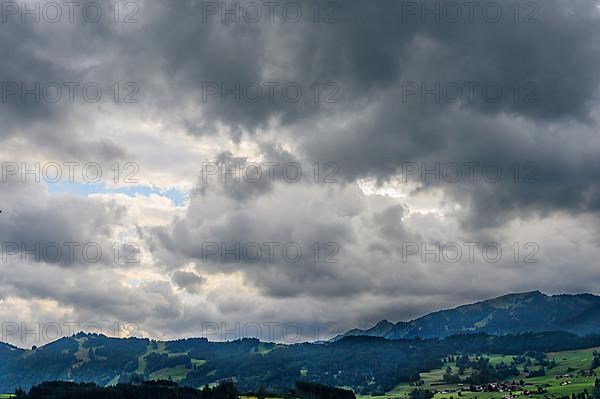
(366, 364)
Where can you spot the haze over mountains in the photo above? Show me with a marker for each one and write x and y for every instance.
(508, 314)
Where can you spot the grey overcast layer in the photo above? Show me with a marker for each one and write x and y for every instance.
(172, 165)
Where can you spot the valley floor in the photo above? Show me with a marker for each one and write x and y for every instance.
(555, 383)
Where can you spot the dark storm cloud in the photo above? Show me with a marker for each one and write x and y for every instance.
(374, 53)
(376, 46)
(550, 175)
(44, 70)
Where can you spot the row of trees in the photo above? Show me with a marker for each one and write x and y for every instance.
(595, 361)
(483, 371)
(153, 389)
(169, 390)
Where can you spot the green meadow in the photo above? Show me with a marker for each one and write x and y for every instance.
(570, 362)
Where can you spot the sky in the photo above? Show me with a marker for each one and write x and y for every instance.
(291, 170)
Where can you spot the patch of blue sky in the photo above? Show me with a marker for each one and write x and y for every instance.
(85, 189)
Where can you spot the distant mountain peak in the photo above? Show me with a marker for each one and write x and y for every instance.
(531, 311)
(527, 294)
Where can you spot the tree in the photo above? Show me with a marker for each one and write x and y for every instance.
(260, 394)
(596, 393)
(421, 394)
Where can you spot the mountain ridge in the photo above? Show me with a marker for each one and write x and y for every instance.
(514, 313)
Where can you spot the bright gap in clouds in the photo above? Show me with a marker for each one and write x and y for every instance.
(430, 202)
(177, 197)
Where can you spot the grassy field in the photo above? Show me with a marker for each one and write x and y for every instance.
(174, 373)
(570, 362)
